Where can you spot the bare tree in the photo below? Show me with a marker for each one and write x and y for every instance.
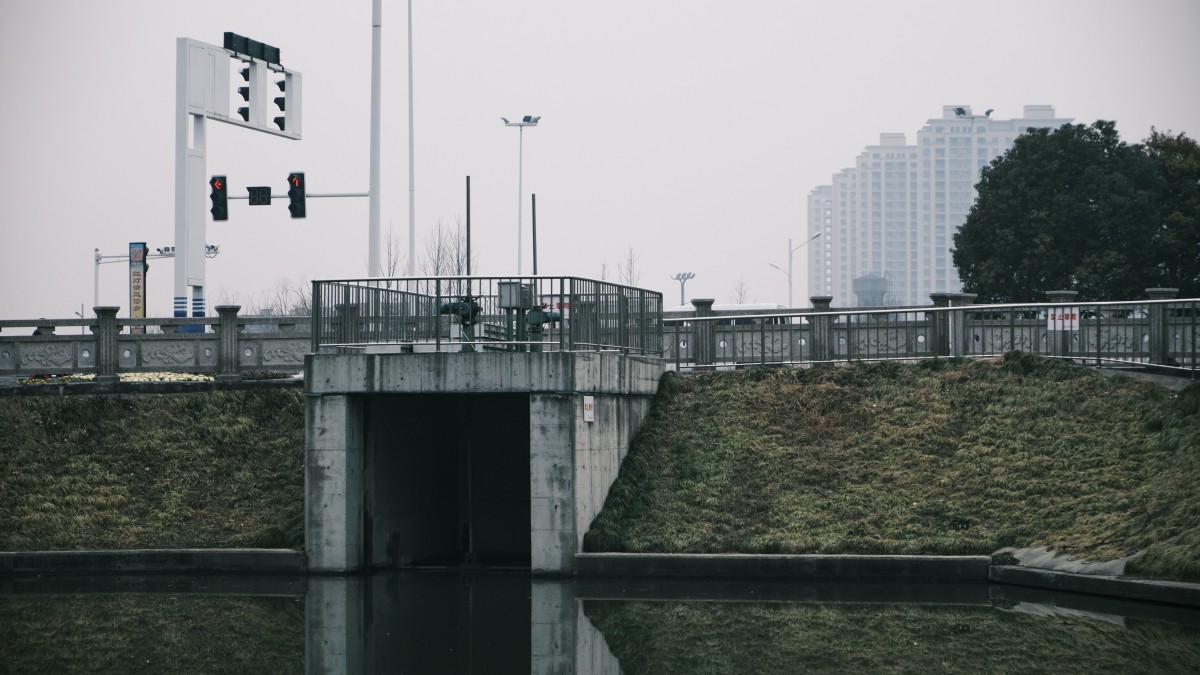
(289, 297)
(393, 253)
(446, 253)
(740, 293)
(228, 297)
(604, 271)
(627, 271)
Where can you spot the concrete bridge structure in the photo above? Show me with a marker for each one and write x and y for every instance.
(470, 421)
(499, 458)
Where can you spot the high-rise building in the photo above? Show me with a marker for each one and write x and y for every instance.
(888, 223)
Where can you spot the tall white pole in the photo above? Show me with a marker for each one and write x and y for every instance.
(96, 280)
(374, 268)
(790, 252)
(412, 176)
(520, 190)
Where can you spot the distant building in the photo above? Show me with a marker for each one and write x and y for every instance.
(888, 223)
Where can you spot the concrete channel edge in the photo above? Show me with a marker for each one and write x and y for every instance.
(779, 566)
(150, 561)
(663, 565)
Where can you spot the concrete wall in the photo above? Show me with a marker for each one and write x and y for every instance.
(333, 483)
(571, 463)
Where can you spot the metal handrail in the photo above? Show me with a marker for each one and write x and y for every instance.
(469, 313)
(1164, 333)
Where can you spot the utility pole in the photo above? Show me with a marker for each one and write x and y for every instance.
(792, 250)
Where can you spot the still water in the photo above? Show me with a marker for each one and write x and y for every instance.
(507, 623)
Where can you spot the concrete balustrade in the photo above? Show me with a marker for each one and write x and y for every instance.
(226, 346)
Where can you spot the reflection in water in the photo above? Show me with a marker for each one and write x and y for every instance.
(151, 625)
(506, 623)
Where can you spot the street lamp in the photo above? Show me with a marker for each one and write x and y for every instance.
(792, 250)
(527, 121)
(682, 278)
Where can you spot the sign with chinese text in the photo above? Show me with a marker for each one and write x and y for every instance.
(137, 284)
(1062, 318)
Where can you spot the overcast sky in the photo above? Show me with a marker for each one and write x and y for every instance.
(689, 130)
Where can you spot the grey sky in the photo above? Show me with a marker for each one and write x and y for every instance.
(689, 130)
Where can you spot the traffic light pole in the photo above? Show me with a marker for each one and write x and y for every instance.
(190, 181)
(202, 91)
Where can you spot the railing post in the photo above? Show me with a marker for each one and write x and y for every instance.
(105, 331)
(959, 340)
(1059, 331)
(939, 325)
(314, 319)
(1160, 332)
(348, 323)
(228, 356)
(822, 350)
(703, 335)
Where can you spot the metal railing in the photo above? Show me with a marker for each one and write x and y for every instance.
(1162, 333)
(566, 313)
(525, 313)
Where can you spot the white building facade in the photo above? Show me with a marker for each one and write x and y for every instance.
(888, 223)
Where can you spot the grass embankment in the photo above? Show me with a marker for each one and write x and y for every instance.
(944, 457)
(204, 470)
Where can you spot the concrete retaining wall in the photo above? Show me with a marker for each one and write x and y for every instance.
(807, 567)
(190, 560)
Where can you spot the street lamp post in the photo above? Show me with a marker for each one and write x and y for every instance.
(682, 278)
(527, 121)
(792, 250)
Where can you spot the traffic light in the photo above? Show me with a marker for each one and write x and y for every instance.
(281, 101)
(244, 111)
(260, 195)
(219, 197)
(296, 194)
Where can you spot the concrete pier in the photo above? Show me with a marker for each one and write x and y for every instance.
(494, 458)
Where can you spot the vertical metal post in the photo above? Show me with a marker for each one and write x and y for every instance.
(412, 167)
(533, 215)
(374, 268)
(317, 324)
(790, 256)
(96, 279)
(468, 232)
(520, 190)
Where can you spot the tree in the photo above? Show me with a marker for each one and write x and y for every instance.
(1176, 242)
(1077, 209)
(740, 293)
(627, 271)
(446, 256)
(393, 258)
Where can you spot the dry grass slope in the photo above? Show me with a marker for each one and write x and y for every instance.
(205, 470)
(943, 457)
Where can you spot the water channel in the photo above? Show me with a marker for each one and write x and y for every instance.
(495, 622)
